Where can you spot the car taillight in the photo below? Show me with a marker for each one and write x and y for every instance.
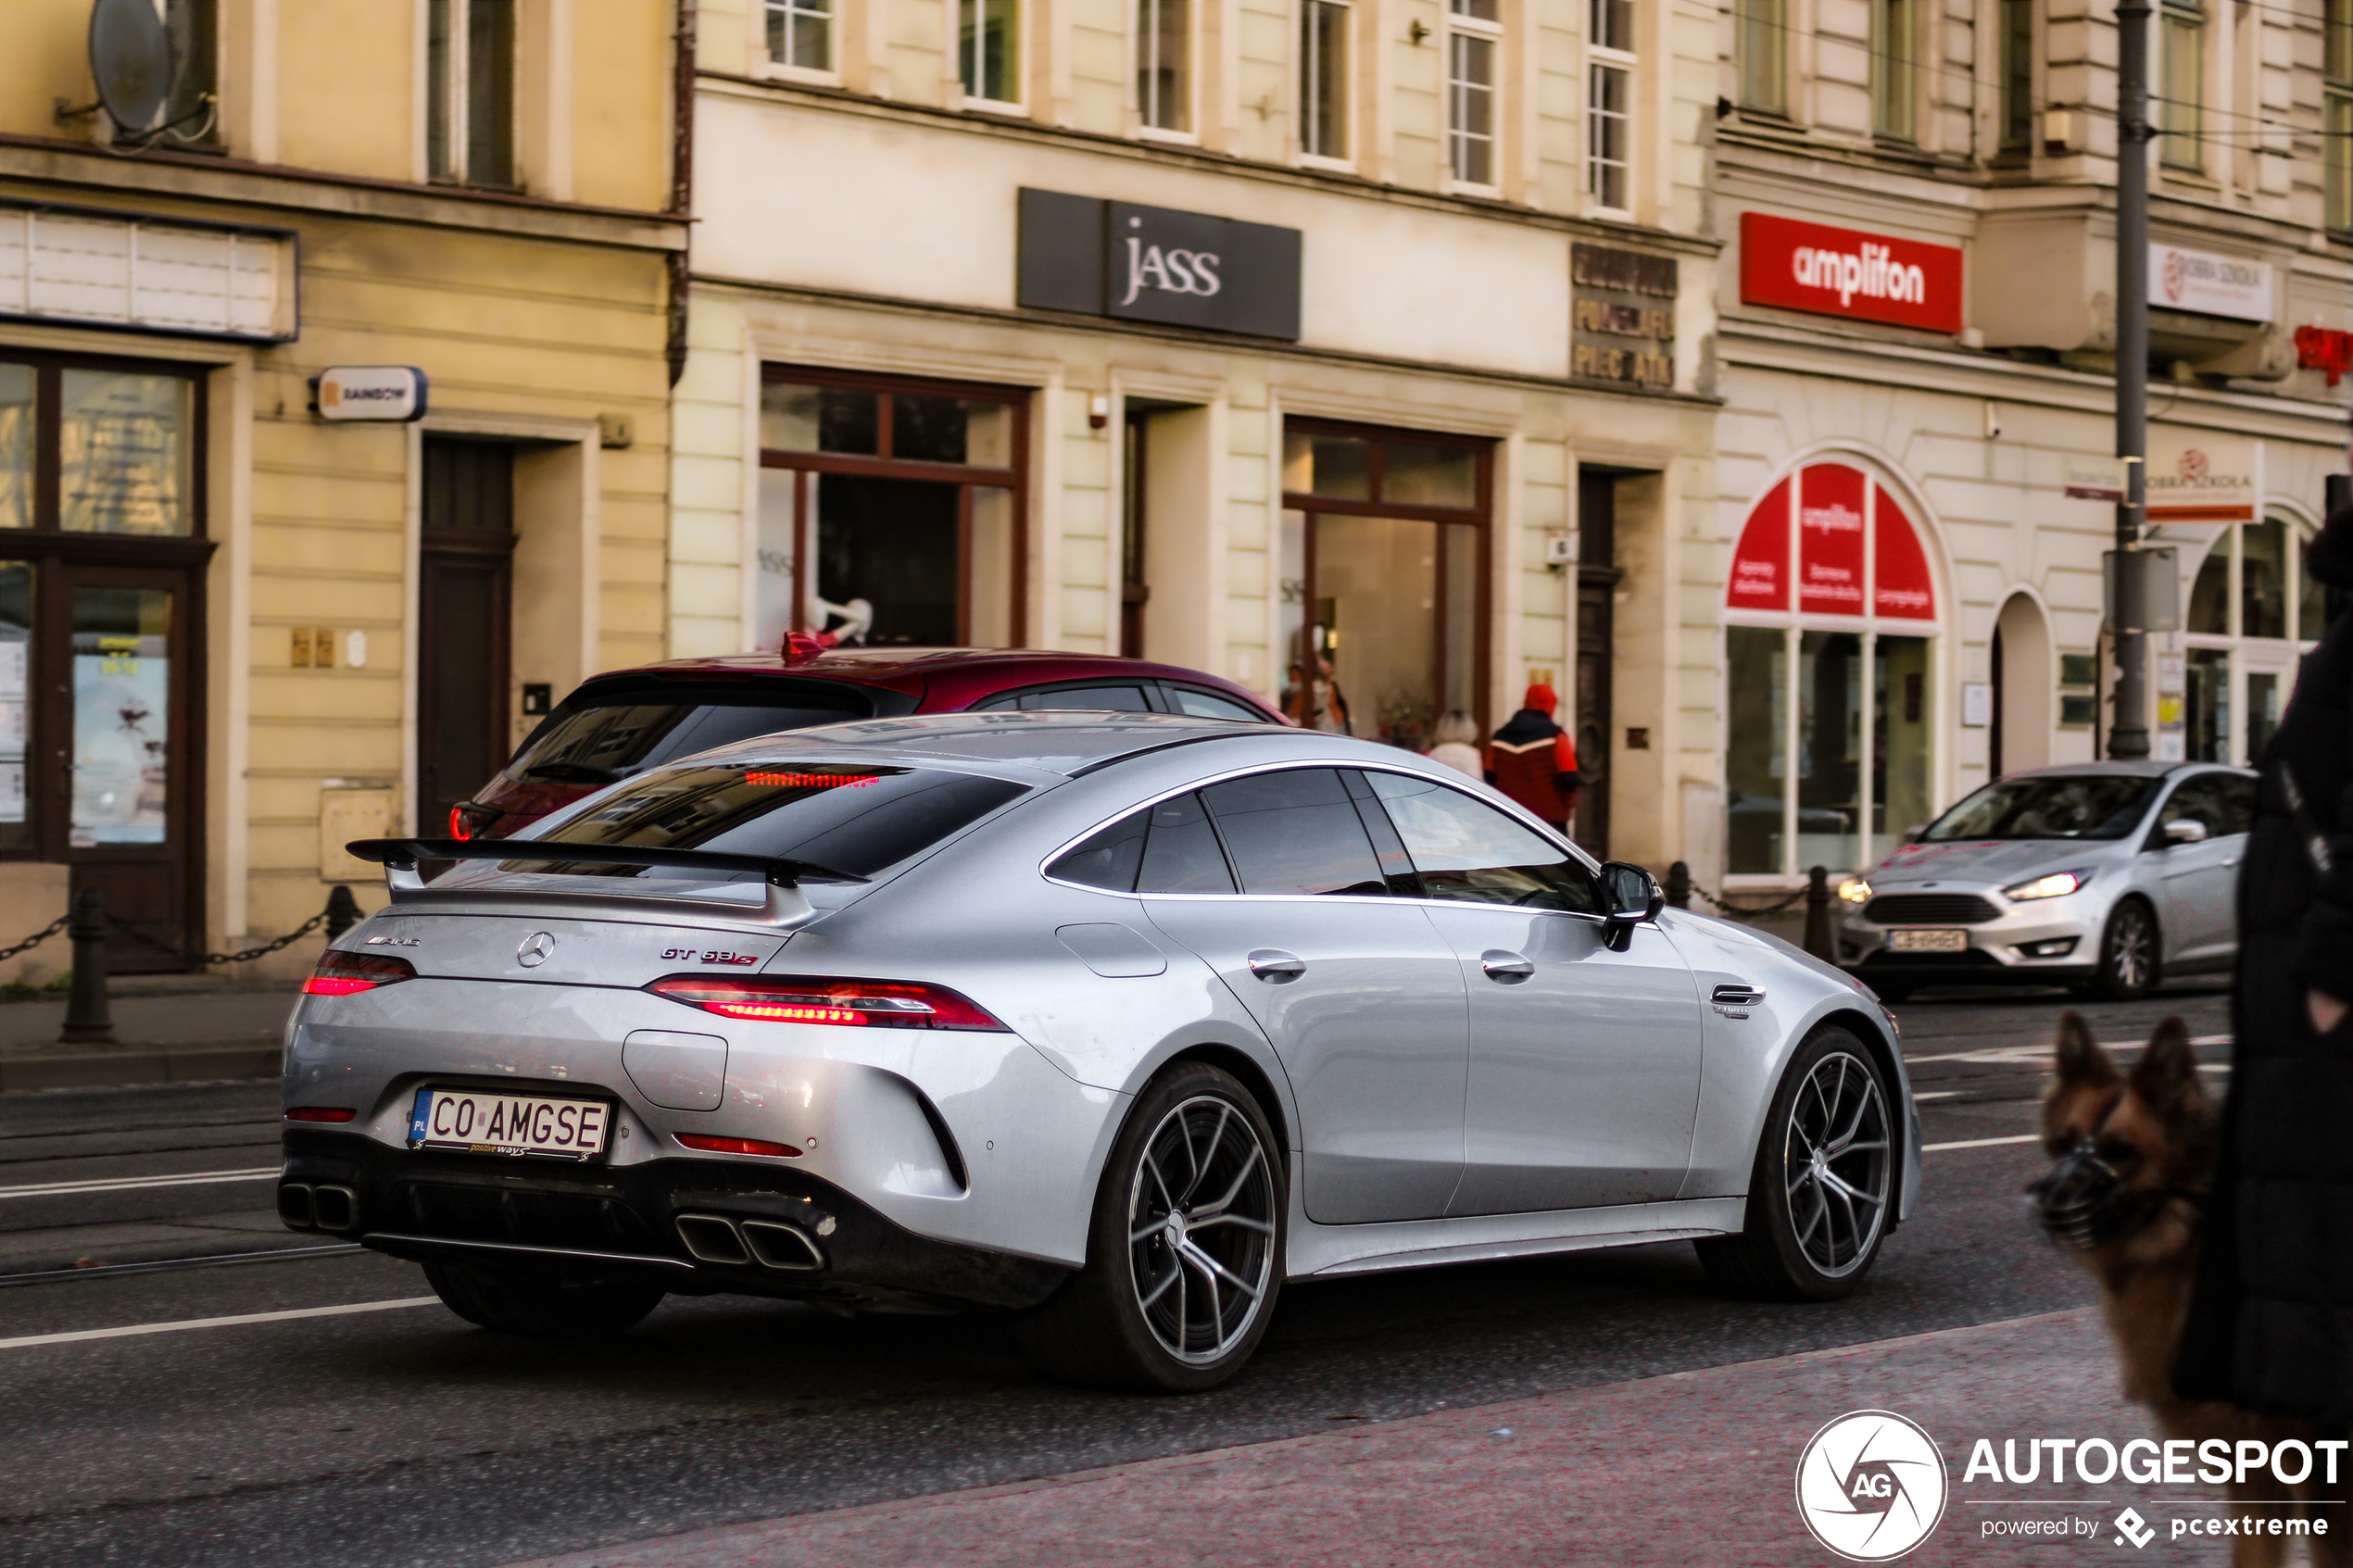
(320, 1113)
(339, 974)
(884, 1004)
(460, 827)
(709, 1145)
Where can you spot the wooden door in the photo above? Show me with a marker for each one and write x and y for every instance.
(466, 579)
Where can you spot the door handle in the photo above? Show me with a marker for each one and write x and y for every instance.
(1506, 968)
(1276, 966)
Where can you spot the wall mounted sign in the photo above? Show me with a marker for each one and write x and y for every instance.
(1854, 546)
(91, 267)
(378, 393)
(1622, 317)
(1156, 264)
(2201, 476)
(2208, 284)
(1812, 267)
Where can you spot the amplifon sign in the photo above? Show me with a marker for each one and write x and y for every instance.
(1156, 264)
(1853, 547)
(1798, 266)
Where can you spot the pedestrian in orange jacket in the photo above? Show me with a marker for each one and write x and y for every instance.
(1532, 760)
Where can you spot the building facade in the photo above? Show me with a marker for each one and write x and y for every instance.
(1354, 349)
(1916, 335)
(236, 629)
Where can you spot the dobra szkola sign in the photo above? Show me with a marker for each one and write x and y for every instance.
(1155, 264)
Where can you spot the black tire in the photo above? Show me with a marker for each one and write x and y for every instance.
(543, 1306)
(1112, 1325)
(1807, 1239)
(2131, 962)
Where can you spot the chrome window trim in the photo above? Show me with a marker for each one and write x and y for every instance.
(1509, 809)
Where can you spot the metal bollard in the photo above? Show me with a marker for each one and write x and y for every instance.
(88, 1018)
(1818, 940)
(1679, 885)
(343, 912)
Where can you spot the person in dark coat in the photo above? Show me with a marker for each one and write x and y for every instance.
(2270, 1322)
(1532, 760)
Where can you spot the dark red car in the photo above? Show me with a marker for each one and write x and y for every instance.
(616, 723)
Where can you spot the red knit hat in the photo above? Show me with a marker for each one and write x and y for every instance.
(1541, 697)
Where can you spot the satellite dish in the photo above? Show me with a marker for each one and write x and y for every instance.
(130, 59)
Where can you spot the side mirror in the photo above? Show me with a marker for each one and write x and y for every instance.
(1630, 895)
(2184, 830)
(1912, 833)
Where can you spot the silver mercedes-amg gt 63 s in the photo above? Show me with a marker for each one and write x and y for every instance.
(1112, 1022)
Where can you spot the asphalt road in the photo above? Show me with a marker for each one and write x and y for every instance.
(398, 1435)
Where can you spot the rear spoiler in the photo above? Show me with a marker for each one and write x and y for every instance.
(787, 905)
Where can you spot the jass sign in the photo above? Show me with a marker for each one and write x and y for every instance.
(1156, 264)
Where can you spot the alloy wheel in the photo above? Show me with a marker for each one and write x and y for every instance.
(1835, 1162)
(2129, 949)
(1201, 1229)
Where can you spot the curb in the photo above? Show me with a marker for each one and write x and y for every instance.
(181, 1061)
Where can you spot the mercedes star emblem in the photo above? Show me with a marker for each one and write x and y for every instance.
(534, 949)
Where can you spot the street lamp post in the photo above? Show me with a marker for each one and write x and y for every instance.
(2130, 736)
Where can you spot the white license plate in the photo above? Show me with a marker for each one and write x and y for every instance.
(1928, 941)
(480, 1122)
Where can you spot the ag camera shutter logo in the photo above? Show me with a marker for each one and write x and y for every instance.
(1871, 1486)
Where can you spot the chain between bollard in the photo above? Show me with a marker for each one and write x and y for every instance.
(36, 938)
(341, 913)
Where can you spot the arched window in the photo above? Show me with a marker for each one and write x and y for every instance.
(1829, 655)
(2252, 612)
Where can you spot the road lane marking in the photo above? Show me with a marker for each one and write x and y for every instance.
(28, 1340)
(135, 1184)
(1980, 1143)
(2044, 1052)
(1939, 1094)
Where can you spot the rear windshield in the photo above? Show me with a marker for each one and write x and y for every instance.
(595, 737)
(2086, 806)
(856, 820)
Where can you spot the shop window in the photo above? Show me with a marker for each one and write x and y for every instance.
(1323, 77)
(988, 49)
(15, 700)
(1381, 550)
(890, 513)
(124, 454)
(15, 446)
(1474, 43)
(1894, 78)
(2253, 611)
(2181, 84)
(470, 91)
(1761, 37)
(1829, 662)
(1163, 64)
(2336, 139)
(2016, 109)
(1609, 105)
(801, 34)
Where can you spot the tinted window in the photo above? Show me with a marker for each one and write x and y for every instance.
(1209, 705)
(2238, 805)
(1182, 856)
(1118, 699)
(1295, 832)
(2200, 800)
(594, 740)
(846, 818)
(2079, 806)
(1468, 850)
(1107, 858)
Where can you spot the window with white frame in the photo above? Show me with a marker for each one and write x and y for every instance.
(1323, 77)
(1894, 81)
(470, 91)
(1609, 103)
(1761, 37)
(800, 33)
(1163, 64)
(2254, 613)
(2181, 84)
(1474, 45)
(2015, 115)
(988, 49)
(2337, 142)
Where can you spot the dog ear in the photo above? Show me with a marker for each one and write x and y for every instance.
(2081, 1060)
(2166, 1077)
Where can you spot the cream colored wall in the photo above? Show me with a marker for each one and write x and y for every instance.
(346, 86)
(45, 56)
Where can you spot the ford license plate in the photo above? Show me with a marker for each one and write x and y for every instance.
(1928, 941)
(482, 1123)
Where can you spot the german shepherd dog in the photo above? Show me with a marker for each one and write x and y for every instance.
(2133, 1155)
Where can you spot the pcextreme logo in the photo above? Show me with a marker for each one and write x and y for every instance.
(1870, 1486)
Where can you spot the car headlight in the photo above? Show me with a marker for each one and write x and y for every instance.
(2055, 885)
(1854, 890)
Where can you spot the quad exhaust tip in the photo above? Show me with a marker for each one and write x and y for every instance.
(318, 1207)
(714, 1238)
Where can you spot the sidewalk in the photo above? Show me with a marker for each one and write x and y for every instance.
(169, 1029)
(1693, 1468)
